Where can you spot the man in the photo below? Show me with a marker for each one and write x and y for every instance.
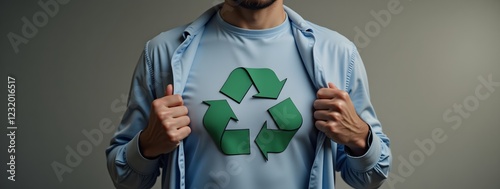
(249, 95)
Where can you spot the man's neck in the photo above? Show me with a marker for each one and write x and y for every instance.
(265, 18)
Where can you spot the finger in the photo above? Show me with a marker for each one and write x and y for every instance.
(177, 135)
(327, 104)
(162, 104)
(176, 123)
(321, 104)
(172, 101)
(331, 85)
(329, 93)
(327, 127)
(321, 125)
(173, 112)
(326, 115)
(183, 121)
(169, 90)
(325, 93)
(183, 132)
(321, 115)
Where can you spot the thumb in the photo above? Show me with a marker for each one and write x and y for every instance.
(331, 85)
(170, 90)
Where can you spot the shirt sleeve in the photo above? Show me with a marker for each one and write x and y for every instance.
(126, 166)
(372, 168)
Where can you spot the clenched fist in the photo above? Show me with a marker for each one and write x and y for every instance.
(336, 117)
(167, 126)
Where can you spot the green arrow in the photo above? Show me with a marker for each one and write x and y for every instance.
(273, 141)
(237, 85)
(236, 142)
(217, 117)
(215, 120)
(266, 81)
(241, 79)
(286, 115)
(288, 119)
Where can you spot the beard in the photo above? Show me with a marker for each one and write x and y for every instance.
(254, 4)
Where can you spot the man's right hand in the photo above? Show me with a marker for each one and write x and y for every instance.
(168, 125)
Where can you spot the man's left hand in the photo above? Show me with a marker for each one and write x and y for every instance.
(336, 117)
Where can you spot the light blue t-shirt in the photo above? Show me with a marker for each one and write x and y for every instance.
(250, 103)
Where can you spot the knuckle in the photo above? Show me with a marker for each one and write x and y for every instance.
(334, 103)
(177, 98)
(156, 103)
(339, 104)
(318, 125)
(184, 132)
(316, 114)
(162, 115)
(167, 124)
(172, 137)
(185, 110)
(188, 130)
(188, 120)
(343, 94)
(331, 128)
(165, 114)
(159, 115)
(316, 104)
(331, 115)
(321, 125)
(320, 91)
(336, 116)
(323, 92)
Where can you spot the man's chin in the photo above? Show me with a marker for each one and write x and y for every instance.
(254, 4)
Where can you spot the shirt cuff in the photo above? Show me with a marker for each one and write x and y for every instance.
(136, 161)
(368, 160)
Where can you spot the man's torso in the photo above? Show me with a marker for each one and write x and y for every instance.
(262, 141)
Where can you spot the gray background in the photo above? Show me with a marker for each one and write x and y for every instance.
(76, 70)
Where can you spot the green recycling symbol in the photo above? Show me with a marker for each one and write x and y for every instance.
(237, 142)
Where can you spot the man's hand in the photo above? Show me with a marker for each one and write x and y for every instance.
(336, 117)
(167, 126)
